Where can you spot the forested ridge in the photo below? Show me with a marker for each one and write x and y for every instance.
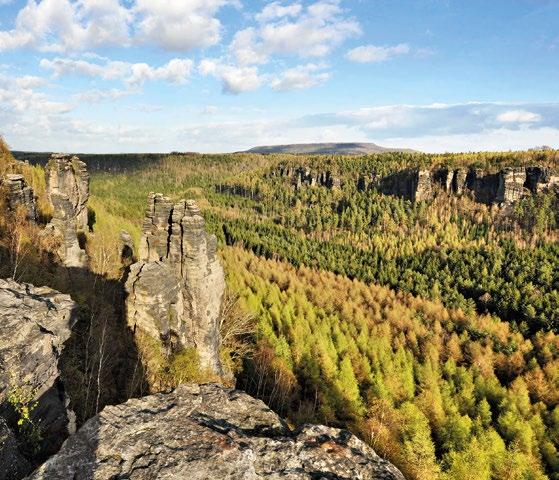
(427, 328)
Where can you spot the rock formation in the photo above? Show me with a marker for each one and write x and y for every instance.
(18, 193)
(205, 431)
(301, 176)
(67, 183)
(501, 188)
(63, 227)
(175, 289)
(34, 324)
(414, 184)
(68, 175)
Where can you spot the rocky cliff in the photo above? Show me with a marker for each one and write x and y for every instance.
(502, 188)
(34, 324)
(67, 175)
(175, 289)
(18, 193)
(301, 176)
(67, 184)
(205, 431)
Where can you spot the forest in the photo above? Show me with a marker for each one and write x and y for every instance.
(429, 329)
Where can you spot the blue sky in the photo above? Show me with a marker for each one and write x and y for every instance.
(225, 75)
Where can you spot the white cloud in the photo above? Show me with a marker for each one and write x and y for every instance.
(518, 116)
(96, 95)
(176, 71)
(301, 77)
(17, 95)
(375, 54)
(276, 10)
(77, 25)
(234, 79)
(311, 32)
(178, 24)
(65, 25)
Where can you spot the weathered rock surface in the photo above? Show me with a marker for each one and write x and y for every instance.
(18, 194)
(501, 188)
(68, 175)
(301, 176)
(175, 290)
(63, 227)
(413, 184)
(205, 432)
(34, 324)
(67, 183)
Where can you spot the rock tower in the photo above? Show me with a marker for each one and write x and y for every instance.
(175, 289)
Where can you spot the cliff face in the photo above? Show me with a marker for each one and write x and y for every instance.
(501, 188)
(205, 431)
(18, 194)
(175, 289)
(300, 176)
(34, 324)
(67, 175)
(67, 183)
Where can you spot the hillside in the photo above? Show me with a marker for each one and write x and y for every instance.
(326, 149)
(425, 323)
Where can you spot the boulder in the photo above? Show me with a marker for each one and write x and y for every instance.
(174, 291)
(68, 175)
(206, 431)
(34, 324)
(13, 463)
(540, 179)
(18, 193)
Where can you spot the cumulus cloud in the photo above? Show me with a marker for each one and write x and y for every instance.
(518, 116)
(19, 95)
(65, 25)
(313, 31)
(276, 10)
(77, 25)
(301, 77)
(376, 54)
(176, 71)
(234, 79)
(179, 25)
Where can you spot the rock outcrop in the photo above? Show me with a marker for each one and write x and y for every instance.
(301, 176)
(34, 324)
(67, 175)
(175, 289)
(205, 431)
(502, 188)
(414, 184)
(63, 226)
(67, 183)
(18, 193)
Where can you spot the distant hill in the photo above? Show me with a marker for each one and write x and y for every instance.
(327, 149)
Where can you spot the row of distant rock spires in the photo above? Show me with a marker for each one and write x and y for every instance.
(503, 187)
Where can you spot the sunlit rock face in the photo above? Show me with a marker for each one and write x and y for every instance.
(19, 194)
(68, 175)
(207, 431)
(67, 184)
(176, 287)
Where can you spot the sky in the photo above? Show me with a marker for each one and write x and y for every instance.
(107, 76)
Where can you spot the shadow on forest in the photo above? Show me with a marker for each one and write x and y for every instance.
(100, 363)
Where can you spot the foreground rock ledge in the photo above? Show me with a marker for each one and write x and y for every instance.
(208, 432)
